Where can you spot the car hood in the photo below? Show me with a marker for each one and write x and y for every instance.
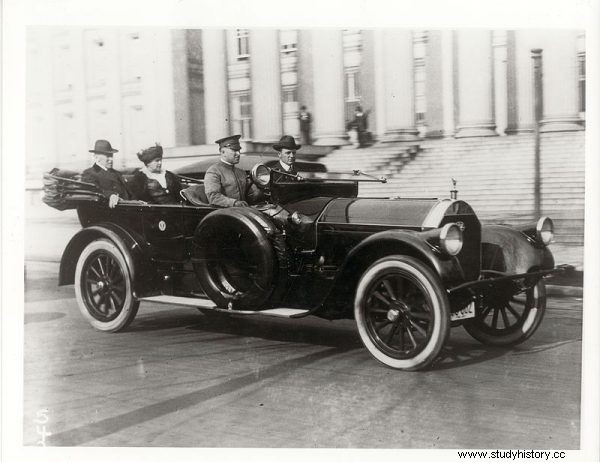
(413, 213)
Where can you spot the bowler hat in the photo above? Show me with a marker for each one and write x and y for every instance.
(103, 147)
(286, 142)
(148, 155)
(232, 142)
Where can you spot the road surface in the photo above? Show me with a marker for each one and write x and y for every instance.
(179, 378)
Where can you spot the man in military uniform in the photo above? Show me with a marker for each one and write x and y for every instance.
(286, 151)
(107, 179)
(224, 183)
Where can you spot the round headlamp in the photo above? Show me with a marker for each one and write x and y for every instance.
(261, 175)
(544, 231)
(296, 218)
(451, 239)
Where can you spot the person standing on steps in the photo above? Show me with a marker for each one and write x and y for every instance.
(305, 119)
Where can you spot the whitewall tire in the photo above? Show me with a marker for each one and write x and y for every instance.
(402, 312)
(103, 287)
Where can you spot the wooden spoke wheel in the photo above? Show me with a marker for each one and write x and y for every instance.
(509, 317)
(402, 312)
(103, 287)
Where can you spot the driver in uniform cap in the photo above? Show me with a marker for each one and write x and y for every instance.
(224, 183)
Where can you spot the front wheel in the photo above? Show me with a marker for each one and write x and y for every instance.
(402, 312)
(103, 287)
(509, 318)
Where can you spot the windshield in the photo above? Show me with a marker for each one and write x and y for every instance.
(355, 175)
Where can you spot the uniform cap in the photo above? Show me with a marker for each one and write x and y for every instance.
(232, 142)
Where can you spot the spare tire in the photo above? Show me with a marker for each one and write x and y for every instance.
(236, 261)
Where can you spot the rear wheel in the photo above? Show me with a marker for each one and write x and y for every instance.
(509, 317)
(402, 312)
(103, 287)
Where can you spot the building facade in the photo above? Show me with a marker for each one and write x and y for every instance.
(187, 88)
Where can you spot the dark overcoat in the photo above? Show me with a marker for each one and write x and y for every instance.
(109, 181)
(150, 190)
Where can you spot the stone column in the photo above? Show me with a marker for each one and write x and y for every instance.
(520, 81)
(448, 89)
(561, 112)
(378, 64)
(398, 77)
(440, 84)
(265, 74)
(216, 104)
(499, 43)
(367, 72)
(328, 88)
(476, 114)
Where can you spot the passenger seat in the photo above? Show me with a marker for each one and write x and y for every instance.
(195, 194)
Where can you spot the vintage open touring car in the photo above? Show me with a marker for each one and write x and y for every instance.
(405, 269)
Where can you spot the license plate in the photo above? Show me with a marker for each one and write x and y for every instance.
(466, 313)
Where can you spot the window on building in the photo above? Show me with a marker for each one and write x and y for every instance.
(419, 53)
(352, 43)
(581, 81)
(352, 40)
(242, 114)
(420, 102)
(352, 94)
(242, 37)
(581, 73)
(290, 94)
(289, 42)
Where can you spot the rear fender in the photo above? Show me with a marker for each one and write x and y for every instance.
(132, 248)
(510, 251)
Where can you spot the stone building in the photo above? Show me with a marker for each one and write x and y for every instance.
(190, 87)
(465, 97)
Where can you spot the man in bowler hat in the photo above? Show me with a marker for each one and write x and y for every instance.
(286, 151)
(107, 179)
(224, 183)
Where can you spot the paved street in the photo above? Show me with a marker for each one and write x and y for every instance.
(179, 378)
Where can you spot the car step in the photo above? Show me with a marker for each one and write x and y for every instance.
(208, 304)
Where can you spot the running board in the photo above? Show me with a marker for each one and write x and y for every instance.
(205, 303)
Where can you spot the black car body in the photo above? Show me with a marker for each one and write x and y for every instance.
(406, 269)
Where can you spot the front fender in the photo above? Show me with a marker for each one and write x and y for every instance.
(509, 251)
(132, 247)
(405, 242)
(379, 245)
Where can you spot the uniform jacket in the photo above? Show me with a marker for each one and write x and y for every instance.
(149, 190)
(109, 181)
(224, 184)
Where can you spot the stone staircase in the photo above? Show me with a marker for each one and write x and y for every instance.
(376, 160)
(494, 175)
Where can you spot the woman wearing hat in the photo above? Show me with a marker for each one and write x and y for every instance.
(153, 184)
